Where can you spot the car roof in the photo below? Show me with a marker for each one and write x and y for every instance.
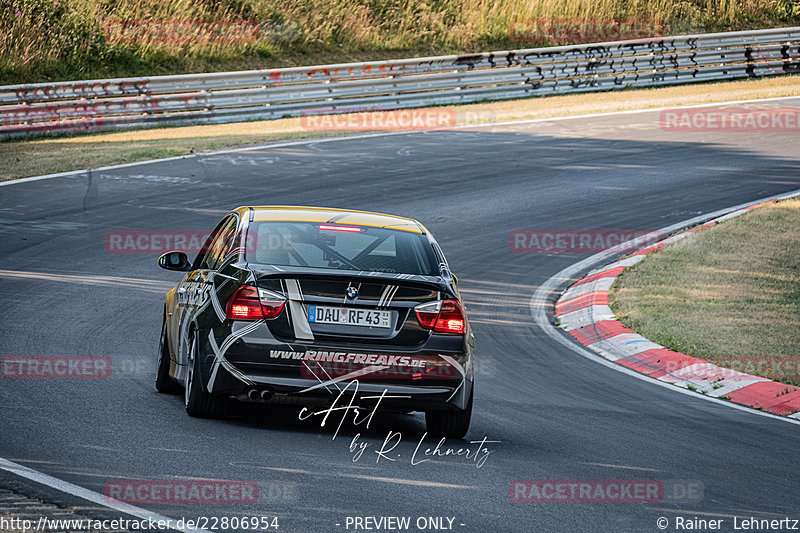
(269, 213)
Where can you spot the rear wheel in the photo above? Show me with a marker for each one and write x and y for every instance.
(164, 383)
(450, 424)
(198, 402)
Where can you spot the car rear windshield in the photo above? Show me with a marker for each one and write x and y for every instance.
(343, 247)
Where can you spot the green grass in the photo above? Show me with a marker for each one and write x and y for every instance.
(47, 40)
(729, 294)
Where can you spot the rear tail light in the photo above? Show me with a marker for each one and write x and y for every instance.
(250, 303)
(442, 317)
(428, 313)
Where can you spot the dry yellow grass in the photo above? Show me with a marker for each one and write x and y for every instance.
(74, 39)
(45, 156)
(729, 294)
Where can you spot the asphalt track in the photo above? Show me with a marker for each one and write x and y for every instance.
(556, 414)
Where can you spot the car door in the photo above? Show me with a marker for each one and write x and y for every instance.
(193, 289)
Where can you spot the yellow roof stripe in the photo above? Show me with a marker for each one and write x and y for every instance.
(335, 216)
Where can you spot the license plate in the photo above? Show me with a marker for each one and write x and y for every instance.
(348, 317)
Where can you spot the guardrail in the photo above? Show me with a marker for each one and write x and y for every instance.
(38, 108)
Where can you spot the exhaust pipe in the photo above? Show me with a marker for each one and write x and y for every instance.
(266, 394)
(253, 395)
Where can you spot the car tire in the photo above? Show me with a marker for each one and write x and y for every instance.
(450, 424)
(197, 401)
(164, 382)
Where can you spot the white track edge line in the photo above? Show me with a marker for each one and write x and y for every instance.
(86, 494)
(301, 142)
(540, 300)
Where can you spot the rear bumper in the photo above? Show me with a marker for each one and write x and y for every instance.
(422, 380)
(390, 397)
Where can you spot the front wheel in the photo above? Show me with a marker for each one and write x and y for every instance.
(450, 424)
(198, 402)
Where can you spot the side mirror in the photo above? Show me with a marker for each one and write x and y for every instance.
(175, 261)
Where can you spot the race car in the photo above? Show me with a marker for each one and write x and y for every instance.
(301, 305)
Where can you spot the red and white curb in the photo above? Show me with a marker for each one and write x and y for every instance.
(583, 311)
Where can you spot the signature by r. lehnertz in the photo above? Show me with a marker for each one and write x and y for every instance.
(476, 452)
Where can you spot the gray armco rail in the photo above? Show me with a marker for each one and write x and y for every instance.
(265, 94)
